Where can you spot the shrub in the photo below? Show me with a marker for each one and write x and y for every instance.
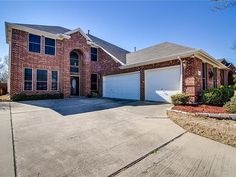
(180, 99)
(217, 96)
(231, 105)
(23, 96)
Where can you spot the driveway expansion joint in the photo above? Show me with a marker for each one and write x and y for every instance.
(13, 143)
(145, 156)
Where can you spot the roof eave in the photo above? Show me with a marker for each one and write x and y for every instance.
(161, 59)
(10, 26)
(210, 59)
(195, 52)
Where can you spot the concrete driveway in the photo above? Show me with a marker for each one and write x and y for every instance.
(101, 137)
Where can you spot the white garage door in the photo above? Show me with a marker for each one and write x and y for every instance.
(162, 83)
(124, 86)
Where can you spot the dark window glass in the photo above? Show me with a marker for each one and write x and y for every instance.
(54, 80)
(94, 82)
(28, 79)
(94, 54)
(74, 62)
(204, 76)
(215, 77)
(34, 43)
(42, 79)
(50, 46)
(74, 69)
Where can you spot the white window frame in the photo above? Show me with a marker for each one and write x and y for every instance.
(49, 46)
(57, 80)
(94, 82)
(35, 43)
(41, 81)
(91, 53)
(25, 80)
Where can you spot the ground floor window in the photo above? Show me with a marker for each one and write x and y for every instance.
(204, 76)
(222, 76)
(54, 80)
(42, 79)
(214, 77)
(28, 79)
(94, 84)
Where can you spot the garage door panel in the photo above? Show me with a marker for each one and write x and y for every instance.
(161, 84)
(123, 86)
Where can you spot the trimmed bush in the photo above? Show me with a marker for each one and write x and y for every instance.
(180, 99)
(231, 105)
(217, 96)
(23, 96)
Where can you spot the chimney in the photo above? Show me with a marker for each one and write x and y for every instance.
(88, 31)
(135, 49)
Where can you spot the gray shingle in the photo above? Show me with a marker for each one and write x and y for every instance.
(46, 28)
(116, 51)
(157, 51)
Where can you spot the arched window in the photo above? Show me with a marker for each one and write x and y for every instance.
(74, 62)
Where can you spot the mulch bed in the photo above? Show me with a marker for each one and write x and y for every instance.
(201, 109)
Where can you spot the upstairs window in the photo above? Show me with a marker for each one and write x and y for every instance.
(54, 80)
(94, 54)
(50, 46)
(34, 43)
(74, 62)
(94, 82)
(42, 79)
(28, 79)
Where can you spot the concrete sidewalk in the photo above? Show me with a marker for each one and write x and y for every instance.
(6, 149)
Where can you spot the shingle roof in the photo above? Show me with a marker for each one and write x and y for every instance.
(157, 51)
(50, 29)
(114, 50)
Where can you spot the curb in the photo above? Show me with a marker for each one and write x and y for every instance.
(210, 115)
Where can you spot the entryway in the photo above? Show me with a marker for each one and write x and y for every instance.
(74, 82)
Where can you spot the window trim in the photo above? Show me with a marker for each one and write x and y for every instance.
(50, 46)
(75, 66)
(57, 80)
(41, 81)
(94, 82)
(24, 79)
(36, 43)
(91, 53)
(215, 77)
(204, 78)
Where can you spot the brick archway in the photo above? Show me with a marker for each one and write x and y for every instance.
(76, 60)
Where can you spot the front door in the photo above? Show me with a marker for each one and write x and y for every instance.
(74, 83)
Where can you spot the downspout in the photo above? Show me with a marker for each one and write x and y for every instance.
(181, 74)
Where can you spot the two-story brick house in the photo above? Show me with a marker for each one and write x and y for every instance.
(49, 59)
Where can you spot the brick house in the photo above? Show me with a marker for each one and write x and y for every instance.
(52, 59)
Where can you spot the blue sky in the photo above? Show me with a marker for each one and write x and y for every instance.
(129, 24)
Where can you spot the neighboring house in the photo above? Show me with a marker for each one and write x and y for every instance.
(229, 72)
(49, 59)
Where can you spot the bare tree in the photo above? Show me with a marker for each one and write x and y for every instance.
(3, 69)
(223, 4)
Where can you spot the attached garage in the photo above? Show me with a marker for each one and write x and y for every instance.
(123, 86)
(162, 83)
